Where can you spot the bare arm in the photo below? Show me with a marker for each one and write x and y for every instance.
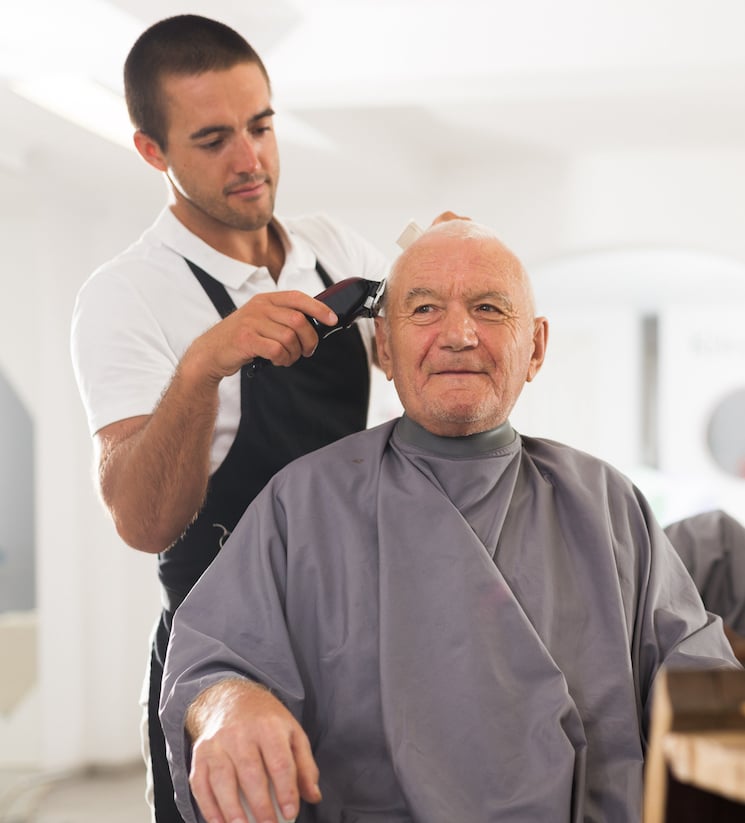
(153, 470)
(243, 738)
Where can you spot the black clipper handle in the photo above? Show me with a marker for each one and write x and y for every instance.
(348, 299)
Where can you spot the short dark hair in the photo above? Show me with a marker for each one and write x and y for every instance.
(187, 45)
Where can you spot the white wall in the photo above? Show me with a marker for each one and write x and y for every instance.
(97, 599)
(684, 209)
(693, 198)
(702, 349)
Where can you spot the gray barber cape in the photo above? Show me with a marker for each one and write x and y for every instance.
(468, 629)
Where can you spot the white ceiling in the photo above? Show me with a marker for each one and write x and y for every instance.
(416, 81)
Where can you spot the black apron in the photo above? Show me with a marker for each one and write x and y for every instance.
(285, 413)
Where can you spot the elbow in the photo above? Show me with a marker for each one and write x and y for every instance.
(147, 529)
(143, 537)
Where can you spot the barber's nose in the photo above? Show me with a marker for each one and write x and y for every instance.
(246, 155)
(458, 330)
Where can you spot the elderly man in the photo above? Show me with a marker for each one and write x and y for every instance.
(437, 619)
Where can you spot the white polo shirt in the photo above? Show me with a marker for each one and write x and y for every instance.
(136, 315)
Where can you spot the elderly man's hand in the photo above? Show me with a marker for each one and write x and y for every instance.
(244, 739)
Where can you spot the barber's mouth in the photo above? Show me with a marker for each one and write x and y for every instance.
(248, 190)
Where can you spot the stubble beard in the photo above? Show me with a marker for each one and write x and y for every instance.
(217, 209)
(467, 417)
(236, 219)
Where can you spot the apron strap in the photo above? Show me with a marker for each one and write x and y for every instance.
(219, 296)
(216, 292)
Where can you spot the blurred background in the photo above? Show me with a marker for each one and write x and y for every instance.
(604, 140)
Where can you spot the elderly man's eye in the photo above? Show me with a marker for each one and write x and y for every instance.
(426, 309)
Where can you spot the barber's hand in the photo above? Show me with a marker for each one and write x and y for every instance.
(247, 738)
(272, 325)
(448, 215)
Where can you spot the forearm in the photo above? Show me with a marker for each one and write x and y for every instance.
(154, 479)
(153, 470)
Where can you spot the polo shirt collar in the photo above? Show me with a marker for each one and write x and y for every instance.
(229, 271)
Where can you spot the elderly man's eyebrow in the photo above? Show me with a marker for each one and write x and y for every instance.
(218, 129)
(499, 297)
(419, 291)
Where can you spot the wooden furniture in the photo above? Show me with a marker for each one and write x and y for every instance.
(695, 768)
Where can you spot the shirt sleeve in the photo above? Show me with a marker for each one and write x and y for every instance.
(121, 358)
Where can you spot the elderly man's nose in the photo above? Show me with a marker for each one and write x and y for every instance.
(458, 330)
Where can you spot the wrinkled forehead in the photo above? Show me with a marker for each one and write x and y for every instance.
(451, 266)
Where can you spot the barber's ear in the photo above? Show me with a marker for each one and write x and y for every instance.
(540, 341)
(383, 349)
(150, 151)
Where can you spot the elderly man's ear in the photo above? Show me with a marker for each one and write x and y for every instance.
(540, 341)
(382, 353)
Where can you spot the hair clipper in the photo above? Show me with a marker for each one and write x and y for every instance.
(349, 299)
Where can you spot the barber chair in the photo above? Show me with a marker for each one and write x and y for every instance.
(695, 767)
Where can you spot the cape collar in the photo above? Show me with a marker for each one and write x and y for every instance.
(471, 445)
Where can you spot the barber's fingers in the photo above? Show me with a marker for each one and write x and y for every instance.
(448, 215)
(272, 325)
(271, 304)
(275, 326)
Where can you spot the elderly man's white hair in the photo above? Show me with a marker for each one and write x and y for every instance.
(466, 230)
(463, 228)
